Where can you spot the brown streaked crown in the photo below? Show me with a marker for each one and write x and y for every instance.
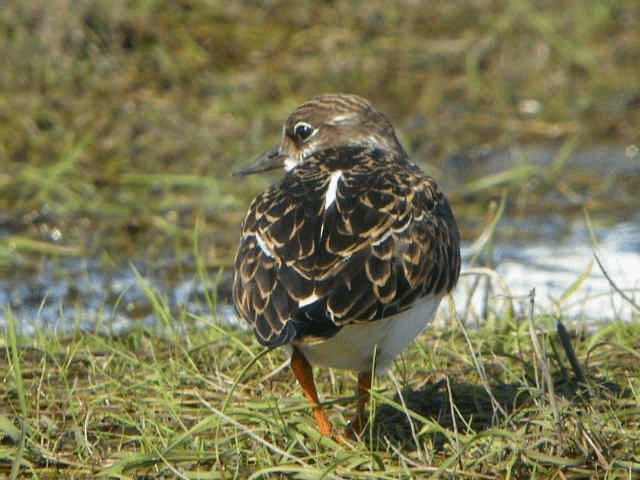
(328, 121)
(354, 232)
(337, 120)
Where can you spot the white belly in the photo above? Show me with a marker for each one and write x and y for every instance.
(353, 347)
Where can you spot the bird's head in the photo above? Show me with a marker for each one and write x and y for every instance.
(327, 121)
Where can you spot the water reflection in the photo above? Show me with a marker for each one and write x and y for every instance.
(553, 263)
(549, 255)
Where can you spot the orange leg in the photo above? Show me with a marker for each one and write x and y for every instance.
(304, 373)
(364, 385)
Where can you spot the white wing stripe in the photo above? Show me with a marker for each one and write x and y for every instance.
(332, 190)
(263, 246)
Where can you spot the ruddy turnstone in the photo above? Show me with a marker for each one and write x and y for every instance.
(346, 259)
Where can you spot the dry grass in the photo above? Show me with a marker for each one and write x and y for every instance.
(119, 124)
(208, 405)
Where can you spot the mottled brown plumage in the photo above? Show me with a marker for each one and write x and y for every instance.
(353, 234)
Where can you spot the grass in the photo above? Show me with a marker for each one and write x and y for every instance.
(211, 403)
(120, 122)
(126, 118)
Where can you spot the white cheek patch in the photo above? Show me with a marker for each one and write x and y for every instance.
(289, 164)
(332, 190)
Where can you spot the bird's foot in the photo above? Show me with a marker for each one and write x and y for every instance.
(356, 427)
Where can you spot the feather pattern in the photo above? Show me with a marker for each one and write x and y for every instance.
(345, 260)
(386, 238)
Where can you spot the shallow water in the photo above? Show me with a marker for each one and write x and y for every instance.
(547, 252)
(551, 264)
(547, 255)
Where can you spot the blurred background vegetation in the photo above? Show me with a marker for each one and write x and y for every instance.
(120, 124)
(121, 121)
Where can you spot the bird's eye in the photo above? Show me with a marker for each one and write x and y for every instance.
(302, 131)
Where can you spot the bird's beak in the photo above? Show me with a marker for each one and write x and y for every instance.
(267, 161)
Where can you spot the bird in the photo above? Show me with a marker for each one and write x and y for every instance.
(346, 258)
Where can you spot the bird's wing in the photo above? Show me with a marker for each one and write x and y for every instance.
(311, 261)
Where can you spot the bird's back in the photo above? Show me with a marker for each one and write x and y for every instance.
(352, 235)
